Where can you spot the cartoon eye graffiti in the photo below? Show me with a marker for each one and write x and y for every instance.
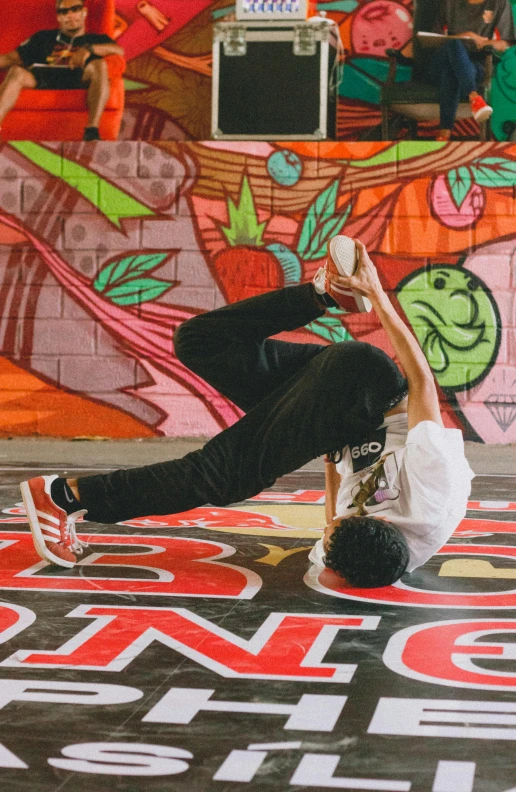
(439, 283)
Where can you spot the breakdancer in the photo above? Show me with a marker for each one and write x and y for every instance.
(397, 480)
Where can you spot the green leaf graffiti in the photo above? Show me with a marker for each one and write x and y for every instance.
(494, 172)
(321, 224)
(138, 291)
(127, 268)
(459, 182)
(120, 281)
(244, 228)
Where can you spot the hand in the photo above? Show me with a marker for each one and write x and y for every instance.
(78, 58)
(480, 41)
(365, 280)
(500, 46)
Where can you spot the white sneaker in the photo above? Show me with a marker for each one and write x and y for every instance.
(343, 260)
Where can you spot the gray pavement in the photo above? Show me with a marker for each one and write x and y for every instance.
(484, 459)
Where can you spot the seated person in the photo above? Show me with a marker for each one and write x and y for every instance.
(82, 54)
(458, 71)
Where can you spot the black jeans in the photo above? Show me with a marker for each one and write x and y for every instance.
(301, 400)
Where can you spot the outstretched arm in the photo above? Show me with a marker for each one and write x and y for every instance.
(423, 401)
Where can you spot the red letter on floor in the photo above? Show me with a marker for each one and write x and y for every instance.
(168, 566)
(445, 653)
(286, 646)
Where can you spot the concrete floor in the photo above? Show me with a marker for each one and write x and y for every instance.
(484, 459)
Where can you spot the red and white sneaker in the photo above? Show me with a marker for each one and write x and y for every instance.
(53, 530)
(343, 260)
(480, 109)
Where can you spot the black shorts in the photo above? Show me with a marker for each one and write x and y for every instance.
(58, 78)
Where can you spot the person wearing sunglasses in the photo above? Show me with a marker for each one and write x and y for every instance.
(403, 481)
(64, 58)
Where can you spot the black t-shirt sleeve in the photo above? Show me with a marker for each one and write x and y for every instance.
(37, 48)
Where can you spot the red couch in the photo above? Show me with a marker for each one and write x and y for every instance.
(59, 115)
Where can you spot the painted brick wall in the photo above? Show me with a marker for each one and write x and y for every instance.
(105, 248)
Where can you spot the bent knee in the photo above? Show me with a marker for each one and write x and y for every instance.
(20, 74)
(454, 44)
(98, 66)
(187, 340)
(346, 350)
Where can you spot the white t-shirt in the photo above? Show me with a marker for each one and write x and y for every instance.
(429, 483)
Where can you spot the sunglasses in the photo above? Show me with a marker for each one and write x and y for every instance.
(72, 9)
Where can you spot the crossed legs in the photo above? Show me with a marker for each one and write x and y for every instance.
(456, 76)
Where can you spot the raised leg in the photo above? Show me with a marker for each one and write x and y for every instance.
(230, 347)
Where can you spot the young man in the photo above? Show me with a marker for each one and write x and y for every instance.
(301, 401)
(82, 54)
(457, 70)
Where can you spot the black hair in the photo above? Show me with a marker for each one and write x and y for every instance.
(368, 552)
(59, 3)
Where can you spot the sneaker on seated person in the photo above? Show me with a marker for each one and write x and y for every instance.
(480, 110)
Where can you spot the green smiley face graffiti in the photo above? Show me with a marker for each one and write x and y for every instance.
(455, 320)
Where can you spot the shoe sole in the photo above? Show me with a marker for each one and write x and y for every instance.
(39, 542)
(483, 114)
(344, 254)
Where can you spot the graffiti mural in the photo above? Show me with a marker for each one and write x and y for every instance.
(106, 248)
(168, 79)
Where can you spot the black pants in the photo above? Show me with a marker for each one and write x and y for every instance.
(301, 400)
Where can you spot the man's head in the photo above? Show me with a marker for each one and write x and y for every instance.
(71, 17)
(367, 551)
